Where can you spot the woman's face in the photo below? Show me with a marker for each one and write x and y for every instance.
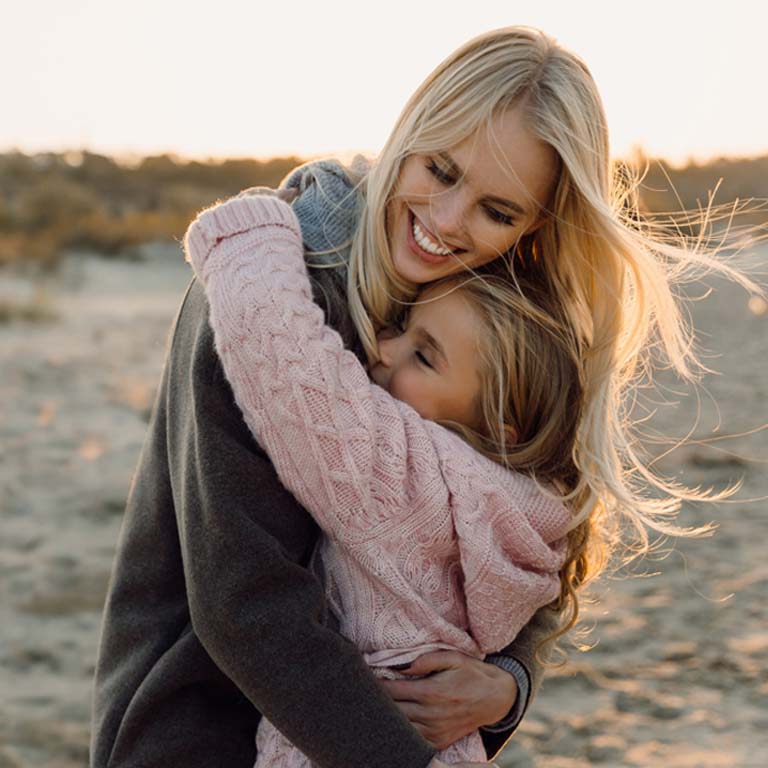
(467, 205)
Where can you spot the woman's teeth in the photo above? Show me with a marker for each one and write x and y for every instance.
(425, 242)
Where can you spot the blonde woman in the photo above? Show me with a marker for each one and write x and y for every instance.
(498, 162)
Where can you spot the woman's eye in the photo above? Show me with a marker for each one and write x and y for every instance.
(422, 359)
(500, 218)
(443, 176)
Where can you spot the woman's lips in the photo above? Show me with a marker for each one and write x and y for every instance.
(431, 258)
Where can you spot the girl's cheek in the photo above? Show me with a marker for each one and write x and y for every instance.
(405, 388)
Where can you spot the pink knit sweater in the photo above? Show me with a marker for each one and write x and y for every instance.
(427, 544)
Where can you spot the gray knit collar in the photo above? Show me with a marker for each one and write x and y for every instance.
(328, 208)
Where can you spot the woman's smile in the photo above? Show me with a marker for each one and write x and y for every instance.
(425, 245)
(462, 207)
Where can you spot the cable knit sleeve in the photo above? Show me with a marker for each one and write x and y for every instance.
(334, 437)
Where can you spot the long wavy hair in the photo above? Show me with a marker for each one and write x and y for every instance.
(611, 275)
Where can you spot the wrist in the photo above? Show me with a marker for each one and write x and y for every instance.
(506, 694)
(519, 673)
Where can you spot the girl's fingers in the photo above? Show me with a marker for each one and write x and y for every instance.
(288, 195)
(436, 661)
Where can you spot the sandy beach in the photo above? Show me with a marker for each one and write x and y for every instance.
(678, 673)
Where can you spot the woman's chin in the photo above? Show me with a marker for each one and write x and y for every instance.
(413, 269)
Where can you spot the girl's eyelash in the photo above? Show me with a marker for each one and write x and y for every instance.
(422, 359)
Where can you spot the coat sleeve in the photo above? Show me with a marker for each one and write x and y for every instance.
(256, 611)
(520, 659)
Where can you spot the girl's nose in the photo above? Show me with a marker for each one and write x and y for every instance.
(386, 352)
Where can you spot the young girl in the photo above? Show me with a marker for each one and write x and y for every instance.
(428, 544)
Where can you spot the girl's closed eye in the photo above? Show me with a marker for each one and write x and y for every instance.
(422, 358)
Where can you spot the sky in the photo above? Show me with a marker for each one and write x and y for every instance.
(258, 78)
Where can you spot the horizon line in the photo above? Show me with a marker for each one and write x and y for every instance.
(134, 157)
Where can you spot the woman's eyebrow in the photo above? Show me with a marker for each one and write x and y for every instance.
(457, 171)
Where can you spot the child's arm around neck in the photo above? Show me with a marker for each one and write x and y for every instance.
(365, 465)
(309, 402)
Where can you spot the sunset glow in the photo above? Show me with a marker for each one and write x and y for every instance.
(254, 79)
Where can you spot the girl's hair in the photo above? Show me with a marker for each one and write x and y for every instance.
(531, 391)
(611, 274)
(530, 376)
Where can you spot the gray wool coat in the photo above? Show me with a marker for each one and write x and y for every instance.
(212, 617)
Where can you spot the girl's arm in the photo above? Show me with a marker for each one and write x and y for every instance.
(330, 433)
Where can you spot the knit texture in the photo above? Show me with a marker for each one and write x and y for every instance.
(427, 544)
(328, 207)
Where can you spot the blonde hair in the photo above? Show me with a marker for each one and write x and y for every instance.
(611, 275)
(531, 395)
(530, 372)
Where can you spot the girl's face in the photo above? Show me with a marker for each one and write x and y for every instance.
(431, 362)
(465, 206)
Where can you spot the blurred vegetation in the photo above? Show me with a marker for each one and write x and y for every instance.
(736, 186)
(51, 203)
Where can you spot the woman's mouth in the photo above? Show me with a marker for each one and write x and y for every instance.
(424, 246)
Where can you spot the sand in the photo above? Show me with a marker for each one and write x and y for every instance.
(677, 675)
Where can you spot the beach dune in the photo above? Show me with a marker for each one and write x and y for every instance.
(677, 675)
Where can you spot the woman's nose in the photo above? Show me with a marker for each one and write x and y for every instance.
(448, 212)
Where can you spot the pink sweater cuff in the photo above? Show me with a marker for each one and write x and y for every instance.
(235, 216)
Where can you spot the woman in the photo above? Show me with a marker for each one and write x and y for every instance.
(500, 156)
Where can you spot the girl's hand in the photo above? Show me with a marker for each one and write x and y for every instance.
(459, 695)
(287, 195)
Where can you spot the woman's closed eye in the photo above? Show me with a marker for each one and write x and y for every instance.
(441, 174)
(500, 218)
(448, 178)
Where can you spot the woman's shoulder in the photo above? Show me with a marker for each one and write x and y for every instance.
(328, 209)
(328, 202)
(347, 175)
